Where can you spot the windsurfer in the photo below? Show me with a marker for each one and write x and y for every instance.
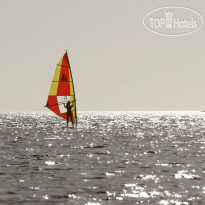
(69, 112)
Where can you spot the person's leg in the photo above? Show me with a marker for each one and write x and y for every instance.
(67, 119)
(71, 116)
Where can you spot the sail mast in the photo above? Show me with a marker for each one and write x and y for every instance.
(76, 120)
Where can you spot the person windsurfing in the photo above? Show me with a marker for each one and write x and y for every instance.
(69, 112)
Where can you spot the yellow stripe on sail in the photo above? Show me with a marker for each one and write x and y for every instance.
(54, 88)
(54, 85)
(71, 84)
(58, 70)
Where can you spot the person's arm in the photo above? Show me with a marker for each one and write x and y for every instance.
(65, 106)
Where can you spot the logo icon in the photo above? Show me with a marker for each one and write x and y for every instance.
(169, 19)
(173, 21)
(64, 78)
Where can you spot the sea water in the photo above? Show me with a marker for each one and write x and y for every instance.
(110, 158)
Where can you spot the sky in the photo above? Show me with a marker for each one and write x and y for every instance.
(117, 64)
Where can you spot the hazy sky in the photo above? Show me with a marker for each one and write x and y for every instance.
(117, 64)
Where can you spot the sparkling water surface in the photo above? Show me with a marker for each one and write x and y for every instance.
(111, 158)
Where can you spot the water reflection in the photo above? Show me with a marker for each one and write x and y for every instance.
(112, 157)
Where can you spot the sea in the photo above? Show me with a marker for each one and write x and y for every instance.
(114, 158)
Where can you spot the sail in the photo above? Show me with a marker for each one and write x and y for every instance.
(62, 90)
